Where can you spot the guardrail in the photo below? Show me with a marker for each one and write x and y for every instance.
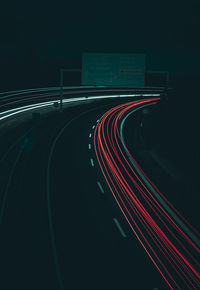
(13, 98)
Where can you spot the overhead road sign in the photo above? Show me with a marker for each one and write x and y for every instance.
(113, 69)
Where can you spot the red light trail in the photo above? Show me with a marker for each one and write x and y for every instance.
(166, 236)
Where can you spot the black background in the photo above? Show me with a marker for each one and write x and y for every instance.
(40, 37)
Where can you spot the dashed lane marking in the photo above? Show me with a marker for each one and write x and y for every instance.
(119, 228)
(92, 161)
(100, 186)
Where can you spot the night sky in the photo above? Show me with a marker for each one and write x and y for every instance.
(37, 38)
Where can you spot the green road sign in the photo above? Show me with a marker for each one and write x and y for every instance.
(113, 69)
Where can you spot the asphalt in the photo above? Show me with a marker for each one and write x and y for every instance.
(172, 180)
(58, 229)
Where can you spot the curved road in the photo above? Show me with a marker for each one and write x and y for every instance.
(60, 225)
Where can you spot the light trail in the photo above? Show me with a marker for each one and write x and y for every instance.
(168, 239)
(22, 109)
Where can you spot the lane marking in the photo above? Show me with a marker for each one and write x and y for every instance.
(100, 186)
(90, 135)
(92, 161)
(89, 146)
(119, 228)
(97, 120)
(93, 127)
(49, 207)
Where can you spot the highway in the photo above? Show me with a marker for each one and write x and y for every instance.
(77, 210)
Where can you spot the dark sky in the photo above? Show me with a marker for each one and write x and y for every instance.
(167, 31)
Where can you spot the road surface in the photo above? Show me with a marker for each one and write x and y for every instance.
(62, 226)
